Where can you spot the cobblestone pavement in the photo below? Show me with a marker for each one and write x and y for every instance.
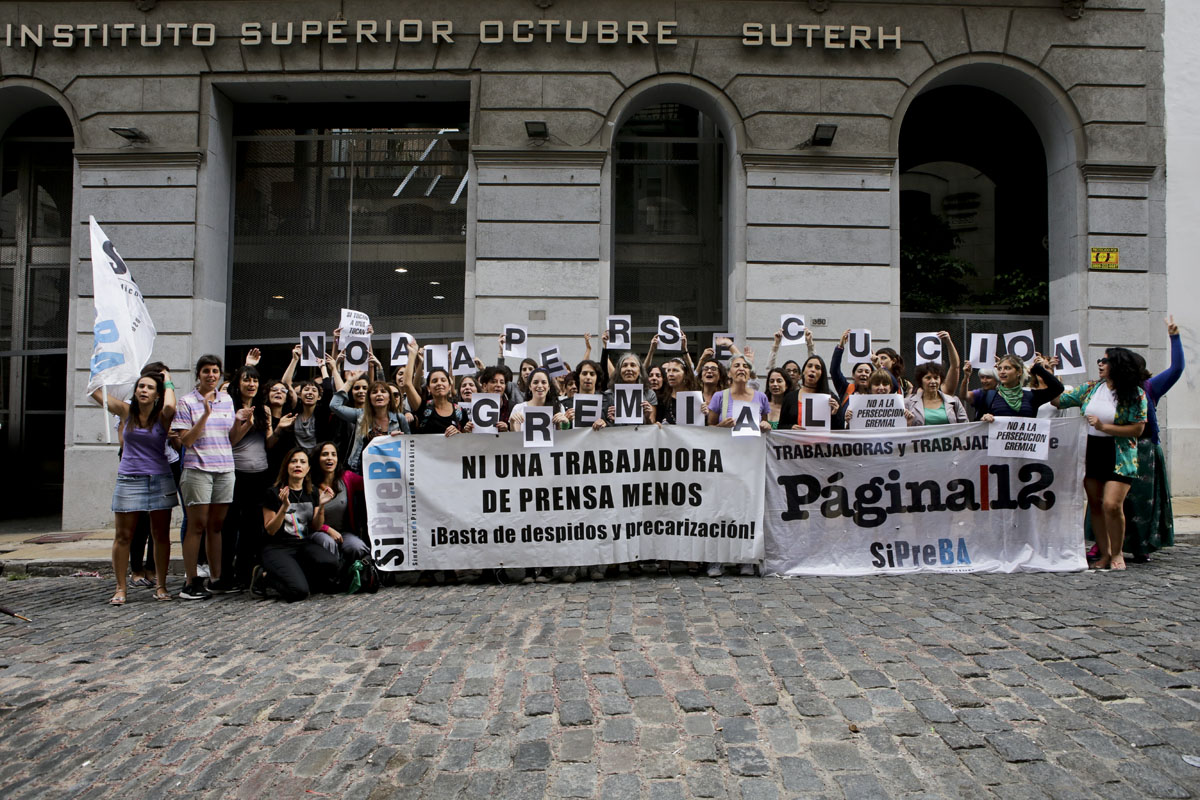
(964, 686)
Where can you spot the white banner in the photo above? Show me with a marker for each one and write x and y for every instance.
(596, 497)
(123, 333)
(922, 499)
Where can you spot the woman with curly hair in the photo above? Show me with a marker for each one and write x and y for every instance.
(1115, 409)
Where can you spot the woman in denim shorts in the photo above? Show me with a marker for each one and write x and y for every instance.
(144, 480)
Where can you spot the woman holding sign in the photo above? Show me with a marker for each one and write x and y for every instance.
(814, 379)
(144, 480)
(679, 378)
(1115, 409)
(861, 372)
(1008, 399)
(778, 387)
(629, 370)
(932, 405)
(542, 392)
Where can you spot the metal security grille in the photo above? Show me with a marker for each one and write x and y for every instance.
(669, 221)
(961, 326)
(368, 219)
(35, 267)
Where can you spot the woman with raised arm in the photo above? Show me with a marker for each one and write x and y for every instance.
(293, 562)
(1115, 408)
(859, 374)
(932, 404)
(144, 481)
(241, 535)
(1009, 399)
(204, 418)
(1149, 518)
(808, 343)
(436, 411)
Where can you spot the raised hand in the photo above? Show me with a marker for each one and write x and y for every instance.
(286, 421)
(1172, 328)
(253, 357)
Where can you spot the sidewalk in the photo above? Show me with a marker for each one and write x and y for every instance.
(38, 547)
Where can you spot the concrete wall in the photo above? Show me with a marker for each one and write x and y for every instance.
(1182, 82)
(809, 229)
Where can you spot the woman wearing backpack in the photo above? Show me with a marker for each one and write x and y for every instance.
(1009, 399)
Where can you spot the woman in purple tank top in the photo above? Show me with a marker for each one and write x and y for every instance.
(144, 480)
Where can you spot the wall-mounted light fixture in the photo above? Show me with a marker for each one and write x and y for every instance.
(822, 136)
(131, 134)
(536, 129)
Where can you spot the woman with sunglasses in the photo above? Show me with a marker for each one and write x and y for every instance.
(1115, 409)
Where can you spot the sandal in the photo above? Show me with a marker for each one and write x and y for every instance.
(118, 598)
(142, 582)
(162, 594)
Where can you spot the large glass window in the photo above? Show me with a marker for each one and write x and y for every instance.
(669, 214)
(367, 218)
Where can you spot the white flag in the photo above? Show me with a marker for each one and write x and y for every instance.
(123, 335)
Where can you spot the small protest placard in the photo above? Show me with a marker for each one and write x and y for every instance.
(587, 409)
(689, 408)
(549, 358)
(516, 341)
(538, 427)
(793, 328)
(814, 412)
(485, 412)
(868, 411)
(354, 323)
(929, 348)
(399, 349)
(620, 332)
(462, 358)
(746, 417)
(627, 404)
(722, 346)
(312, 348)
(858, 344)
(982, 354)
(1070, 355)
(357, 350)
(669, 335)
(1019, 437)
(1020, 344)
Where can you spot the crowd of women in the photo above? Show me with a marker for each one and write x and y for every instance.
(269, 470)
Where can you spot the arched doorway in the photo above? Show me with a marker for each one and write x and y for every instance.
(974, 222)
(669, 243)
(36, 188)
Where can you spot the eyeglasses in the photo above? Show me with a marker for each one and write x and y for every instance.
(1101, 361)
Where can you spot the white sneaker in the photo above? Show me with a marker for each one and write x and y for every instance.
(202, 571)
(746, 569)
(715, 570)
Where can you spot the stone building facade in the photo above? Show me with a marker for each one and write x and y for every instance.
(793, 222)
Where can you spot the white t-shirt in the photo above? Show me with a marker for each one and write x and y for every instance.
(1103, 405)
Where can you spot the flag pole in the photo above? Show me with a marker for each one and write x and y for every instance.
(107, 422)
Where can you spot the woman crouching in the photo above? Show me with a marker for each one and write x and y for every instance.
(293, 560)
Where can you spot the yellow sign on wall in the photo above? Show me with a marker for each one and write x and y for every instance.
(1105, 258)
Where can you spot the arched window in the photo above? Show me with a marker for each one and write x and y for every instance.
(669, 219)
